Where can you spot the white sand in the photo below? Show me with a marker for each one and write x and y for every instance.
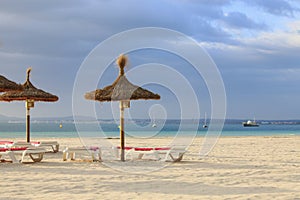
(237, 168)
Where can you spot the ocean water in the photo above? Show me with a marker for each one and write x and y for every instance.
(140, 128)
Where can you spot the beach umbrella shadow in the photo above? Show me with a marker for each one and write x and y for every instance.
(123, 91)
(29, 94)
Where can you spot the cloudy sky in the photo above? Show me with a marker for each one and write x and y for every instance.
(255, 45)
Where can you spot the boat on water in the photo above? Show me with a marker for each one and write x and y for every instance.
(250, 123)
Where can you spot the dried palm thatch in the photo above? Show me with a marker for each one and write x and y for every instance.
(29, 92)
(7, 85)
(121, 89)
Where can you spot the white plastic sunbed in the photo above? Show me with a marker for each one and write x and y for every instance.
(142, 151)
(173, 153)
(95, 152)
(36, 154)
(54, 145)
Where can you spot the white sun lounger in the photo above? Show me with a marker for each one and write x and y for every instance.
(150, 151)
(36, 154)
(140, 152)
(54, 145)
(173, 153)
(95, 152)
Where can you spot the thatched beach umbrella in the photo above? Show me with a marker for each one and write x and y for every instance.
(30, 94)
(124, 91)
(7, 85)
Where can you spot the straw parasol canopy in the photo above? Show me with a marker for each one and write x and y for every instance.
(121, 89)
(30, 94)
(124, 91)
(7, 85)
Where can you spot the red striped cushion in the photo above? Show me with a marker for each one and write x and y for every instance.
(6, 142)
(3, 149)
(94, 148)
(162, 148)
(17, 148)
(35, 142)
(126, 148)
(143, 148)
(13, 149)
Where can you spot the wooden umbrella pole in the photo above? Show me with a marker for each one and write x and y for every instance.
(27, 123)
(29, 104)
(122, 131)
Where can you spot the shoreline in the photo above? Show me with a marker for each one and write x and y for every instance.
(155, 137)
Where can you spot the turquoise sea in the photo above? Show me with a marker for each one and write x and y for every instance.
(142, 128)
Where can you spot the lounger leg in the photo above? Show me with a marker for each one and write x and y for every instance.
(140, 156)
(169, 154)
(65, 154)
(179, 157)
(39, 157)
(72, 155)
(115, 152)
(94, 156)
(130, 152)
(55, 148)
(156, 155)
(12, 157)
(23, 156)
(31, 155)
(100, 155)
(174, 159)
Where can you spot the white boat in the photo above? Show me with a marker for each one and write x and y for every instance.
(154, 124)
(250, 123)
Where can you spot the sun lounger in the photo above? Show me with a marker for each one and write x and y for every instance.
(141, 151)
(174, 153)
(95, 152)
(54, 145)
(36, 154)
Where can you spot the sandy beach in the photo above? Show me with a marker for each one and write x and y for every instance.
(237, 168)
